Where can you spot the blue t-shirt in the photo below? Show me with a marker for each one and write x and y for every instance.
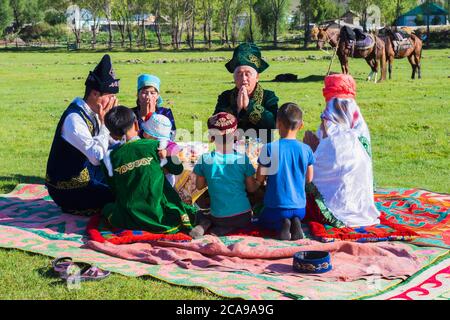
(225, 175)
(286, 162)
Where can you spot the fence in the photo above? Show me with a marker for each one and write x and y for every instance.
(99, 45)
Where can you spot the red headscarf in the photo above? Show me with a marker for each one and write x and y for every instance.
(339, 86)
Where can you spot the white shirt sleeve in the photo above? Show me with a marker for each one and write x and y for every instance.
(76, 132)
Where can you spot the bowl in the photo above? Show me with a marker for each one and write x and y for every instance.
(312, 262)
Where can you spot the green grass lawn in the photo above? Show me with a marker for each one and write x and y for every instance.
(408, 121)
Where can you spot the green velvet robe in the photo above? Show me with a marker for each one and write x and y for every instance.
(145, 200)
(260, 114)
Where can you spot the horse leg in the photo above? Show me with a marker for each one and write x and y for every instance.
(390, 62)
(413, 65)
(419, 71)
(370, 63)
(383, 65)
(375, 66)
(342, 61)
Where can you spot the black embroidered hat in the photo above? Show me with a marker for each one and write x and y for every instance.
(103, 78)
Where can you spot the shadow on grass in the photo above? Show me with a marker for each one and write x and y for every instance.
(8, 183)
(308, 79)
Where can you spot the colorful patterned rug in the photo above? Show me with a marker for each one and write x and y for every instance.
(98, 229)
(406, 215)
(30, 222)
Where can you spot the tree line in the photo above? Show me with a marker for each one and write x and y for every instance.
(178, 22)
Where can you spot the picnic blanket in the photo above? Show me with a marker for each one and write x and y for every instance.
(406, 214)
(30, 221)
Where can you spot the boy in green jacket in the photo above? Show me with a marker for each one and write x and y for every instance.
(145, 200)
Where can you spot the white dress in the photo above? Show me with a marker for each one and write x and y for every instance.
(343, 173)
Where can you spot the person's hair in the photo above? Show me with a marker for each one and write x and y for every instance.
(290, 115)
(87, 92)
(119, 120)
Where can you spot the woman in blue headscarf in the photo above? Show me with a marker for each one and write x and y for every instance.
(150, 101)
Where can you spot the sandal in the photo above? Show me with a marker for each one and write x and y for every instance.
(66, 268)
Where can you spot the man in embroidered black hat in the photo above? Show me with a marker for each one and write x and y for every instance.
(74, 178)
(254, 107)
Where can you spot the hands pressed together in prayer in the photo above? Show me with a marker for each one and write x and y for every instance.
(243, 99)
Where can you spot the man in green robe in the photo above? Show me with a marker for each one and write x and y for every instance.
(145, 200)
(254, 107)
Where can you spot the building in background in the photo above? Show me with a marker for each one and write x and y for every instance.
(418, 16)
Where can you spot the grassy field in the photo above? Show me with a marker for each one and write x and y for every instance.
(408, 122)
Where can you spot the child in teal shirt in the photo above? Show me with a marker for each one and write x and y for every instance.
(228, 176)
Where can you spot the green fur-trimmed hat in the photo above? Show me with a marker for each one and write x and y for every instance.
(247, 54)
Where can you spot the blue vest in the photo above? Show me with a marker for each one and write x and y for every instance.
(67, 167)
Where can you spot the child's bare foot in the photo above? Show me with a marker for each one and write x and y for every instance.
(296, 229)
(285, 233)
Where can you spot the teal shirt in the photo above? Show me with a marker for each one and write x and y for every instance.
(225, 175)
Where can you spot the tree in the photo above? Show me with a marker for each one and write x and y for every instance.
(157, 7)
(107, 12)
(361, 7)
(18, 8)
(236, 8)
(176, 10)
(190, 13)
(6, 15)
(141, 8)
(264, 17)
(34, 12)
(96, 11)
(121, 12)
(208, 8)
(279, 8)
(250, 20)
(224, 20)
(306, 8)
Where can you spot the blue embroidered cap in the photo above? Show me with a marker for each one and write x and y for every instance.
(148, 80)
(312, 262)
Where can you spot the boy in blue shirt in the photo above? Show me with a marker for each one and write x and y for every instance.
(287, 164)
(228, 176)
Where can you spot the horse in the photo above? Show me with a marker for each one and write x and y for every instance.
(333, 38)
(412, 50)
(326, 35)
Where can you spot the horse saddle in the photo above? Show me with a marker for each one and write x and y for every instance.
(402, 45)
(365, 43)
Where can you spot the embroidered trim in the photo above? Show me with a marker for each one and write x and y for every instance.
(75, 183)
(310, 267)
(89, 123)
(225, 122)
(326, 213)
(133, 165)
(256, 114)
(366, 144)
(255, 60)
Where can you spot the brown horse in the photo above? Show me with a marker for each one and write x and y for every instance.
(413, 51)
(326, 35)
(374, 56)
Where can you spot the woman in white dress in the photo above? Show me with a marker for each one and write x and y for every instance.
(343, 175)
